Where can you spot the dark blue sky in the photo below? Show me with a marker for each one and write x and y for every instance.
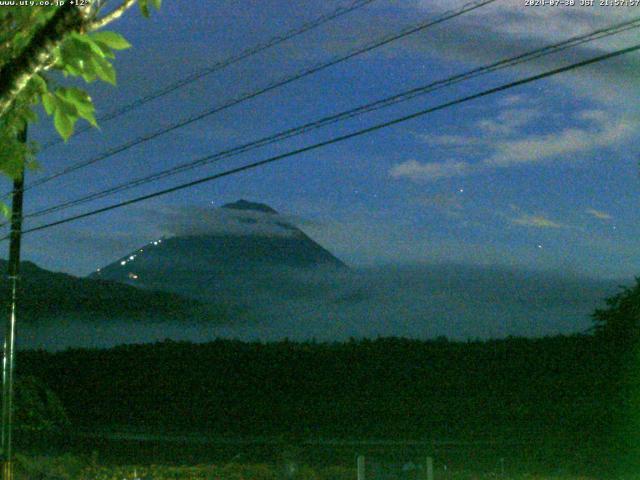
(544, 176)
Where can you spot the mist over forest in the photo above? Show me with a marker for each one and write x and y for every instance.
(422, 302)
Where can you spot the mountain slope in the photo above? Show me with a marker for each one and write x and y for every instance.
(45, 295)
(239, 252)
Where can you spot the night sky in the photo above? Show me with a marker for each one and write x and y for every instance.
(543, 176)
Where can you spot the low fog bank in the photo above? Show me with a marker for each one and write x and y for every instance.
(459, 302)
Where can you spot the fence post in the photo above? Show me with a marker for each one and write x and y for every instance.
(360, 463)
(429, 468)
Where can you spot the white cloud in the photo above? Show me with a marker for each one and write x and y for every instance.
(461, 144)
(607, 132)
(508, 28)
(503, 143)
(508, 121)
(598, 116)
(180, 221)
(513, 18)
(511, 100)
(499, 31)
(424, 172)
(448, 140)
(536, 221)
(598, 214)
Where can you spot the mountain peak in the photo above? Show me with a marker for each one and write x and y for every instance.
(247, 205)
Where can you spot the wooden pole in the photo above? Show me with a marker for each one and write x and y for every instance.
(361, 470)
(8, 360)
(429, 468)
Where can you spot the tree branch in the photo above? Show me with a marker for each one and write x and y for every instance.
(111, 16)
(36, 57)
(15, 75)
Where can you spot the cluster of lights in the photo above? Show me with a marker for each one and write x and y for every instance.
(127, 260)
(133, 257)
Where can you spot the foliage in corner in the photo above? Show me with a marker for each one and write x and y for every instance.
(620, 321)
(144, 6)
(36, 42)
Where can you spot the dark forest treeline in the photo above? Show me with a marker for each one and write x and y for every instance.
(389, 387)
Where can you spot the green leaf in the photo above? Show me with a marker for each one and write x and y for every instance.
(5, 211)
(112, 40)
(69, 104)
(66, 107)
(157, 4)
(82, 102)
(88, 74)
(144, 8)
(63, 124)
(78, 97)
(12, 155)
(39, 84)
(89, 117)
(32, 164)
(96, 48)
(105, 51)
(30, 116)
(76, 55)
(73, 51)
(49, 103)
(104, 70)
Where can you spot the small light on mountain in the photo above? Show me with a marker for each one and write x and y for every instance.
(133, 276)
(155, 243)
(123, 262)
(132, 257)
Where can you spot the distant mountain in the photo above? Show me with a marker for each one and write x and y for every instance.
(45, 295)
(250, 206)
(241, 251)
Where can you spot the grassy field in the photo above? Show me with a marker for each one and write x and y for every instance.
(70, 467)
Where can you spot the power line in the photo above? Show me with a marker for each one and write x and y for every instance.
(274, 41)
(332, 141)
(450, 14)
(350, 113)
(379, 104)
(220, 65)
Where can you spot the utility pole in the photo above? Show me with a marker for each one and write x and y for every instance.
(10, 329)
